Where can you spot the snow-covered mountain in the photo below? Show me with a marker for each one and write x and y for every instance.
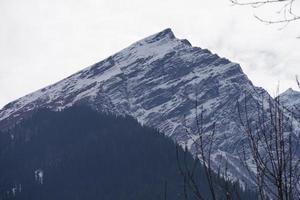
(290, 99)
(159, 81)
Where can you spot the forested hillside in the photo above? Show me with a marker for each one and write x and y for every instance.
(80, 154)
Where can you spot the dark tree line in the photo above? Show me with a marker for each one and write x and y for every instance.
(81, 154)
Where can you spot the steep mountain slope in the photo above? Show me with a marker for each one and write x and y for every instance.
(163, 82)
(81, 154)
(290, 99)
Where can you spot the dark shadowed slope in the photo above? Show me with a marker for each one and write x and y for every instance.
(80, 154)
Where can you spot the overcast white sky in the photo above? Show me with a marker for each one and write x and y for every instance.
(43, 41)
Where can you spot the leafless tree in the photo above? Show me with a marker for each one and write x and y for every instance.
(270, 153)
(286, 12)
(204, 143)
(273, 146)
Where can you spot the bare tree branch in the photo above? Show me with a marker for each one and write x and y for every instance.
(286, 11)
(272, 143)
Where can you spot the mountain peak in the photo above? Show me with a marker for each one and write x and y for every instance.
(290, 98)
(164, 34)
(155, 80)
(289, 91)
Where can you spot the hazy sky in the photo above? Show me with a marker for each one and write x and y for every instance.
(43, 41)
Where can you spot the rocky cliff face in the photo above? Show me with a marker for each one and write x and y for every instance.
(290, 99)
(163, 82)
